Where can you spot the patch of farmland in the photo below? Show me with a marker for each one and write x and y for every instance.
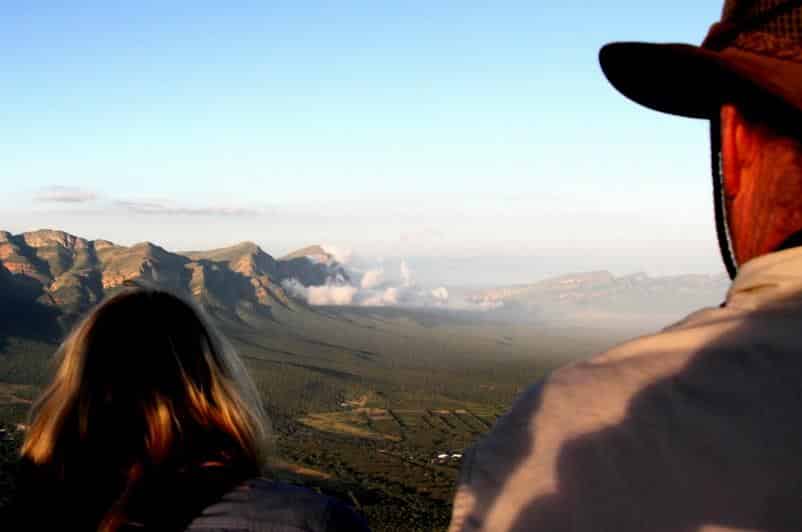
(346, 423)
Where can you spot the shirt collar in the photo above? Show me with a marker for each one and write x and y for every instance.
(767, 279)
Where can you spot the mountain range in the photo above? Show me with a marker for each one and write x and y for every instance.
(602, 297)
(53, 273)
(48, 278)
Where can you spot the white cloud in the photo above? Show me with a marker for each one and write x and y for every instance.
(372, 278)
(62, 194)
(331, 295)
(406, 274)
(155, 208)
(440, 294)
(372, 288)
(294, 288)
(388, 297)
(341, 255)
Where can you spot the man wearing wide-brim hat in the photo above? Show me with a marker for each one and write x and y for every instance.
(698, 427)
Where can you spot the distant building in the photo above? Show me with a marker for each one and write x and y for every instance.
(442, 458)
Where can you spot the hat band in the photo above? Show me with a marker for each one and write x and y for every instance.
(769, 44)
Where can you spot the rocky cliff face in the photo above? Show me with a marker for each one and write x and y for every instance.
(312, 266)
(240, 275)
(145, 262)
(70, 274)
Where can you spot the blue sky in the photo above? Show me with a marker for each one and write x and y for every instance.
(437, 129)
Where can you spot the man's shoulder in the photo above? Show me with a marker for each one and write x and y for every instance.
(710, 351)
(628, 365)
(585, 394)
(712, 390)
(262, 504)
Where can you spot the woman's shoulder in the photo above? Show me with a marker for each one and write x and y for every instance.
(262, 505)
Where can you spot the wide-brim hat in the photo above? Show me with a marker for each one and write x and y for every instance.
(754, 51)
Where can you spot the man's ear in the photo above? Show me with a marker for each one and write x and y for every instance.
(737, 149)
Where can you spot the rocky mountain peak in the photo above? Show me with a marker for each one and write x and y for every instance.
(247, 247)
(314, 253)
(102, 244)
(49, 237)
(149, 249)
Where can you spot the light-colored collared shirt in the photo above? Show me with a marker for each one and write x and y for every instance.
(696, 428)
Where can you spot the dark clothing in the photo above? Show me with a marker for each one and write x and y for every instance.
(262, 505)
(199, 500)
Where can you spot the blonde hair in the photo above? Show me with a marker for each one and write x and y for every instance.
(145, 386)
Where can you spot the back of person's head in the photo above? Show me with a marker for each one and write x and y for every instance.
(762, 166)
(148, 397)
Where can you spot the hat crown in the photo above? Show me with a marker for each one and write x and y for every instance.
(780, 19)
(744, 9)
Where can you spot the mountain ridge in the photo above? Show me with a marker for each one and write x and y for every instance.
(69, 274)
(601, 295)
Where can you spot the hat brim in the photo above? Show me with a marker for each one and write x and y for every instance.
(691, 81)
